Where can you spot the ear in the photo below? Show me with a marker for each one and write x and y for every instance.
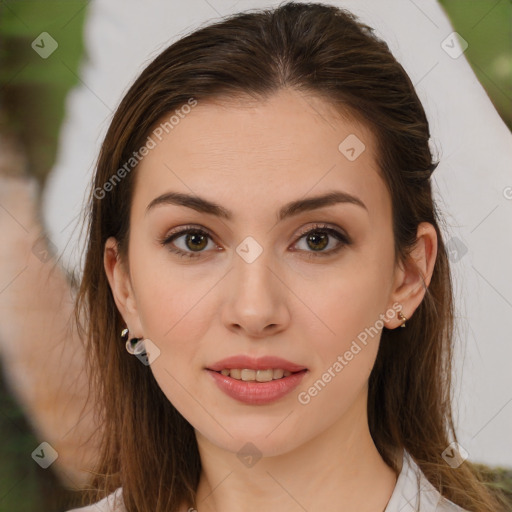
(413, 277)
(120, 284)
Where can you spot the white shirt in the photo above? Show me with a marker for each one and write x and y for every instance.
(412, 493)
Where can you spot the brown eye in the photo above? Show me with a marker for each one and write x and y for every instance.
(194, 241)
(318, 238)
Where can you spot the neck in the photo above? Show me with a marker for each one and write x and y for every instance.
(340, 469)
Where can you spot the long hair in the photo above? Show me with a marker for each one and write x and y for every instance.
(321, 50)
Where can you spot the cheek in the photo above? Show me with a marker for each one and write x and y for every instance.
(343, 303)
(344, 330)
(173, 306)
(166, 291)
(171, 303)
(345, 345)
(346, 355)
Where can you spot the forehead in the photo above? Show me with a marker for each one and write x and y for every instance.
(253, 154)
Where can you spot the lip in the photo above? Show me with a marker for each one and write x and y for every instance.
(255, 363)
(257, 393)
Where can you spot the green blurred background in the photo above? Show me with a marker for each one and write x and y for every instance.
(32, 93)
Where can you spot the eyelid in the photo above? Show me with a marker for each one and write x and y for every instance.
(324, 226)
(182, 230)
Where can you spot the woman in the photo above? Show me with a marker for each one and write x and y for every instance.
(267, 292)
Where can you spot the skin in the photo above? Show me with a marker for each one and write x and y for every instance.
(252, 158)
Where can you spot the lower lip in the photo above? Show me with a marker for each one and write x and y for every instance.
(257, 393)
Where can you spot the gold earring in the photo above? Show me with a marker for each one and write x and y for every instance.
(402, 317)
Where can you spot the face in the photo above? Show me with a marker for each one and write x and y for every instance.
(304, 289)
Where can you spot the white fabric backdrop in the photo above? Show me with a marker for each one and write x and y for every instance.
(473, 181)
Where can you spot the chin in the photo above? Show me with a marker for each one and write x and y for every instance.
(263, 437)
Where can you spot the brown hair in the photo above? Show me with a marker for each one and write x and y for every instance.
(325, 51)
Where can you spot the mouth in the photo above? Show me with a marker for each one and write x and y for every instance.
(256, 381)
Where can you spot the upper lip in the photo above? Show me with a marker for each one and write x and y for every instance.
(255, 363)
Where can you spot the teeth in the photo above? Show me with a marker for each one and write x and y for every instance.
(264, 375)
(248, 375)
(278, 373)
(236, 374)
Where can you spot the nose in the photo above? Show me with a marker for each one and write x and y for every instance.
(257, 299)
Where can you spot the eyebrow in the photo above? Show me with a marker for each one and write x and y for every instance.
(288, 210)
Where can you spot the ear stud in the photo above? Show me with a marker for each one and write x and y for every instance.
(401, 316)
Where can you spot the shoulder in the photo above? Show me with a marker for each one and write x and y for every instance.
(112, 503)
(414, 493)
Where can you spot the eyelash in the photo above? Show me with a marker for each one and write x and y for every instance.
(342, 238)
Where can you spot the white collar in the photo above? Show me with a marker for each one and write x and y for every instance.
(414, 493)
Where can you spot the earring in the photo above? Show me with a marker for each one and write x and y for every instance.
(402, 317)
(134, 346)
